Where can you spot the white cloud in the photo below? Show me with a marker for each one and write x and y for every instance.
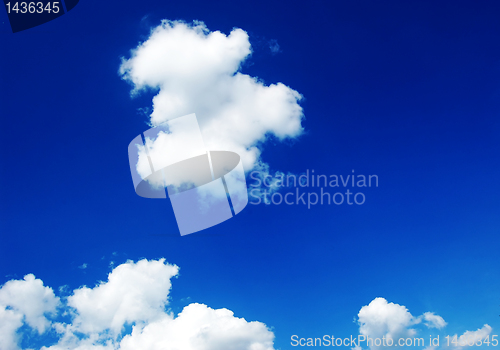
(31, 299)
(26, 301)
(382, 319)
(199, 327)
(10, 321)
(480, 333)
(471, 337)
(136, 294)
(197, 71)
(433, 320)
(274, 46)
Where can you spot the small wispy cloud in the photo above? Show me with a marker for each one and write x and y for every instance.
(274, 46)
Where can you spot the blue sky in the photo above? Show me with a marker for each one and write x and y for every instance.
(407, 91)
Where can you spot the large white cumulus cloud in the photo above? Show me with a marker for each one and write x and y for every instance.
(135, 294)
(197, 71)
(200, 327)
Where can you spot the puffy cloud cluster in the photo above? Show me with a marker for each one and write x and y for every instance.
(471, 337)
(24, 301)
(381, 319)
(433, 321)
(200, 327)
(195, 70)
(128, 311)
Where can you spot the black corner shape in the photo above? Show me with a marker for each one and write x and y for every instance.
(28, 14)
(70, 4)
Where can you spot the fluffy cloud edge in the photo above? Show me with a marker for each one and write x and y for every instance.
(192, 69)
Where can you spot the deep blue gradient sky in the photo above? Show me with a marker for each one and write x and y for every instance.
(409, 91)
